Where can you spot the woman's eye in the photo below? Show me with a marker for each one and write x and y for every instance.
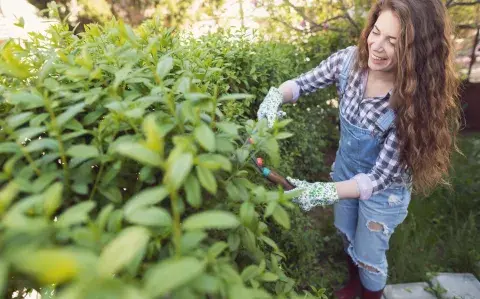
(376, 33)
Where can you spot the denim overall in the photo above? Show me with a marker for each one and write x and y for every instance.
(367, 225)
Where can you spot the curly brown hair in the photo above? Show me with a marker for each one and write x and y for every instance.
(425, 95)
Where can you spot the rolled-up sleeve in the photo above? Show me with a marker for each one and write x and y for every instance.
(323, 75)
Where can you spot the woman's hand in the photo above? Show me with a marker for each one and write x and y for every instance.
(269, 107)
(314, 194)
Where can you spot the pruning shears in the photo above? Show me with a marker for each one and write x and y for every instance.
(268, 173)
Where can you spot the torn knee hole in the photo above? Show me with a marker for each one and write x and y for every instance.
(369, 268)
(375, 226)
(378, 227)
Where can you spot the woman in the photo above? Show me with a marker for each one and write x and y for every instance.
(399, 119)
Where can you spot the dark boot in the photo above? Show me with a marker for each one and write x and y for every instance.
(353, 288)
(367, 294)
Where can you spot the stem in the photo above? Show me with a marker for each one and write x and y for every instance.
(61, 148)
(473, 56)
(97, 180)
(30, 160)
(177, 232)
(129, 121)
(215, 95)
(242, 14)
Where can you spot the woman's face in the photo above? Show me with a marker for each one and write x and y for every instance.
(381, 42)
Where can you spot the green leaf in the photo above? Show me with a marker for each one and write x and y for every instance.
(178, 170)
(37, 120)
(92, 117)
(193, 191)
(7, 194)
(235, 96)
(214, 162)
(247, 212)
(196, 97)
(248, 239)
(164, 66)
(135, 113)
(182, 85)
(111, 192)
(69, 114)
(207, 179)
(206, 284)
(191, 240)
(153, 134)
(111, 173)
(121, 250)
(139, 153)
(250, 272)
(49, 266)
(42, 144)
(269, 277)
(216, 249)
(83, 151)
(281, 217)
(145, 198)
(20, 22)
(28, 100)
(283, 135)
(171, 274)
(45, 180)
(76, 214)
(229, 128)
(233, 241)
(18, 119)
(9, 148)
(205, 137)
(270, 242)
(52, 198)
(282, 123)
(224, 145)
(103, 216)
(271, 148)
(29, 133)
(45, 70)
(242, 155)
(151, 216)
(211, 220)
(270, 208)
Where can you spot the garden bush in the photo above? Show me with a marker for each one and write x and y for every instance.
(124, 168)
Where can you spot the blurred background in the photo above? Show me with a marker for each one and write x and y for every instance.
(292, 20)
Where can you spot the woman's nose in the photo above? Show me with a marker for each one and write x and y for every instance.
(377, 46)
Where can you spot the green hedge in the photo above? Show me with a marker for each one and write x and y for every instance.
(125, 171)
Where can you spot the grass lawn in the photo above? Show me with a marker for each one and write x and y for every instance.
(440, 234)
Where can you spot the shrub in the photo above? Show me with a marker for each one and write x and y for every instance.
(122, 177)
(124, 164)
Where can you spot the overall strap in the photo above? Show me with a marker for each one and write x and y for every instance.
(385, 121)
(346, 65)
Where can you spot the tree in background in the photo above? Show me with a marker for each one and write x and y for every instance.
(134, 12)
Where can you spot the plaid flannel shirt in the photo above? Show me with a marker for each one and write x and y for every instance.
(362, 112)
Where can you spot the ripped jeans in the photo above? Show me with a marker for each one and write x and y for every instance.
(366, 226)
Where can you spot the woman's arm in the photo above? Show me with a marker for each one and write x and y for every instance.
(323, 75)
(386, 168)
(347, 189)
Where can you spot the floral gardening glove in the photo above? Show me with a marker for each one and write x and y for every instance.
(269, 107)
(314, 194)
